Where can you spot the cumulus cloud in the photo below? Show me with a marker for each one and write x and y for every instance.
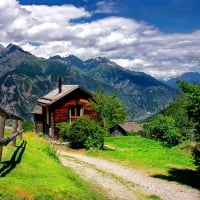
(49, 30)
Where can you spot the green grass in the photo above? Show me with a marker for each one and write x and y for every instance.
(7, 133)
(172, 164)
(32, 171)
(144, 154)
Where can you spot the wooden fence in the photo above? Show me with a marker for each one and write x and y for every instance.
(16, 129)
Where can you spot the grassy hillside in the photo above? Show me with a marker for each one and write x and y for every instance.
(31, 171)
(172, 164)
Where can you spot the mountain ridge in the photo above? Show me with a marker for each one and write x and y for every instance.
(24, 78)
(190, 77)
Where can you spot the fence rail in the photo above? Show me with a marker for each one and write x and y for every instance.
(16, 129)
(6, 141)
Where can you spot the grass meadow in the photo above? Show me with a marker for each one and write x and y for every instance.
(32, 171)
(172, 164)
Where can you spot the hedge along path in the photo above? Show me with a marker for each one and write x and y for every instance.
(122, 182)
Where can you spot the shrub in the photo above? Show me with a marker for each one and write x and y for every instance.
(196, 154)
(28, 126)
(83, 133)
(64, 129)
(143, 133)
(192, 94)
(163, 128)
(40, 134)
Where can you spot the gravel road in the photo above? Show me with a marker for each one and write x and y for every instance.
(122, 182)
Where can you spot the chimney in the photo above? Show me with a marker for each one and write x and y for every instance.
(59, 84)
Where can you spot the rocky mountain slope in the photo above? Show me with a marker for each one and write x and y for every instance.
(24, 78)
(142, 93)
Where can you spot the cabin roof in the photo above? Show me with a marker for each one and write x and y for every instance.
(130, 127)
(37, 109)
(55, 95)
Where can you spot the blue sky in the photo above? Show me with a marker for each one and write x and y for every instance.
(158, 37)
(168, 15)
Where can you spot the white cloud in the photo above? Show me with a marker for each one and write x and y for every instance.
(48, 30)
(5, 3)
(59, 14)
(106, 7)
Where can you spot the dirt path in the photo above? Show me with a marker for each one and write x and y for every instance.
(124, 183)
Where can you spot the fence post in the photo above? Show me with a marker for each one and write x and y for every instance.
(14, 130)
(2, 127)
(20, 128)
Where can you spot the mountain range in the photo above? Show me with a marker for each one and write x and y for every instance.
(24, 78)
(190, 77)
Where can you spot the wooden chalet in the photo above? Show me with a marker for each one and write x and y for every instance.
(125, 128)
(64, 104)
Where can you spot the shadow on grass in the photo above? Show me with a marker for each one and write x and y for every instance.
(8, 166)
(183, 176)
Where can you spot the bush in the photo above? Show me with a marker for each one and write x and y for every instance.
(83, 133)
(143, 133)
(28, 126)
(196, 154)
(192, 94)
(64, 129)
(163, 128)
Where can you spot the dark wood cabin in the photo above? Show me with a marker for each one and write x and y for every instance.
(64, 104)
(125, 129)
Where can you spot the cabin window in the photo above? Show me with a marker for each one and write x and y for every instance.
(75, 112)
